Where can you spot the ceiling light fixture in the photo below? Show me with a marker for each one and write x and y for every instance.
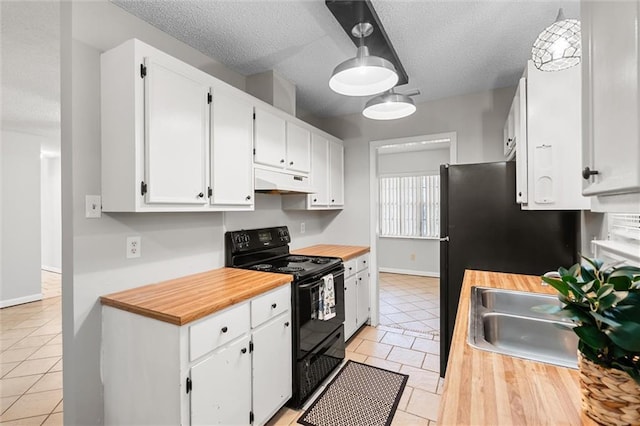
(363, 75)
(390, 105)
(558, 46)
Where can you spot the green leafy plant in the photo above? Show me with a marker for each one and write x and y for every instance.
(604, 303)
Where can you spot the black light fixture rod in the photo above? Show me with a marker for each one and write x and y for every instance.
(352, 12)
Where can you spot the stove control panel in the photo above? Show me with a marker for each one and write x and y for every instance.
(253, 239)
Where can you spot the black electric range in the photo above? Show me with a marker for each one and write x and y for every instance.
(317, 345)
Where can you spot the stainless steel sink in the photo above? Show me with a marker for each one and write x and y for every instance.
(502, 321)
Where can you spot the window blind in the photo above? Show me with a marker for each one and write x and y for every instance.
(409, 206)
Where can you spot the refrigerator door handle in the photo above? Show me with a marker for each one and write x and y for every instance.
(444, 238)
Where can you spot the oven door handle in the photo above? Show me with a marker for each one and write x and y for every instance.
(310, 285)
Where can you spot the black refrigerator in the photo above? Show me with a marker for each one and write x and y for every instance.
(482, 227)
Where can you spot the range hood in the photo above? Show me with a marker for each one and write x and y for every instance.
(280, 182)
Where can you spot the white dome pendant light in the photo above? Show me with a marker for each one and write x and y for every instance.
(390, 106)
(558, 46)
(363, 75)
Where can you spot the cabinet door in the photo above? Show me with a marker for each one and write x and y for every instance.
(298, 148)
(270, 139)
(336, 175)
(272, 367)
(221, 391)
(610, 109)
(231, 150)
(176, 133)
(362, 283)
(520, 132)
(319, 170)
(350, 306)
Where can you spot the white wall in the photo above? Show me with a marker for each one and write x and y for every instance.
(477, 118)
(407, 255)
(50, 213)
(20, 262)
(173, 244)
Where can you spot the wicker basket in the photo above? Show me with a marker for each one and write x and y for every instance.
(609, 396)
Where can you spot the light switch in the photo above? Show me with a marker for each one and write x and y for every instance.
(93, 206)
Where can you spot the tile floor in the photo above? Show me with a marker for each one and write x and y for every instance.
(31, 359)
(409, 346)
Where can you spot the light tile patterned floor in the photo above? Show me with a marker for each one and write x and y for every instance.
(414, 350)
(31, 359)
(410, 302)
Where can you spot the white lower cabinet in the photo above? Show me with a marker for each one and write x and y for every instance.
(271, 367)
(223, 391)
(232, 367)
(356, 294)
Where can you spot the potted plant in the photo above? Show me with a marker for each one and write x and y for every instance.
(604, 303)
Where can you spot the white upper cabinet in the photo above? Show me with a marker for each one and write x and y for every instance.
(336, 174)
(327, 177)
(611, 135)
(270, 139)
(319, 169)
(172, 135)
(231, 150)
(298, 148)
(176, 132)
(280, 143)
(546, 123)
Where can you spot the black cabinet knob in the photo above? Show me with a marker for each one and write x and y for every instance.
(248, 197)
(286, 324)
(224, 329)
(519, 194)
(201, 195)
(243, 350)
(282, 160)
(273, 306)
(291, 163)
(587, 173)
(333, 201)
(315, 199)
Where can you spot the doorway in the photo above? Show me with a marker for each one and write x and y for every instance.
(405, 230)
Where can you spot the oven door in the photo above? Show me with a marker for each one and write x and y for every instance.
(310, 330)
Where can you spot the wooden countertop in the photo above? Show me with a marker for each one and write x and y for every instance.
(484, 388)
(189, 298)
(334, 250)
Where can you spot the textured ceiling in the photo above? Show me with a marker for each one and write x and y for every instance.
(447, 47)
(30, 34)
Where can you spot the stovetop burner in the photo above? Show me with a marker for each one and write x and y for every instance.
(262, 267)
(289, 269)
(297, 259)
(320, 260)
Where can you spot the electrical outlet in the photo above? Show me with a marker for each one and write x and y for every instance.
(303, 227)
(134, 247)
(92, 206)
(413, 256)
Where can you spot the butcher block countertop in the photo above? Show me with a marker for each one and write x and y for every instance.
(485, 388)
(189, 298)
(343, 252)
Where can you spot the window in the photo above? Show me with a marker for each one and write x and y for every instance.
(409, 206)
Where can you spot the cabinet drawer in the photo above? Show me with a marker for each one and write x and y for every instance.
(350, 267)
(217, 330)
(363, 262)
(270, 305)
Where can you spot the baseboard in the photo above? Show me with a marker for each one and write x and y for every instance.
(20, 300)
(410, 272)
(51, 269)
